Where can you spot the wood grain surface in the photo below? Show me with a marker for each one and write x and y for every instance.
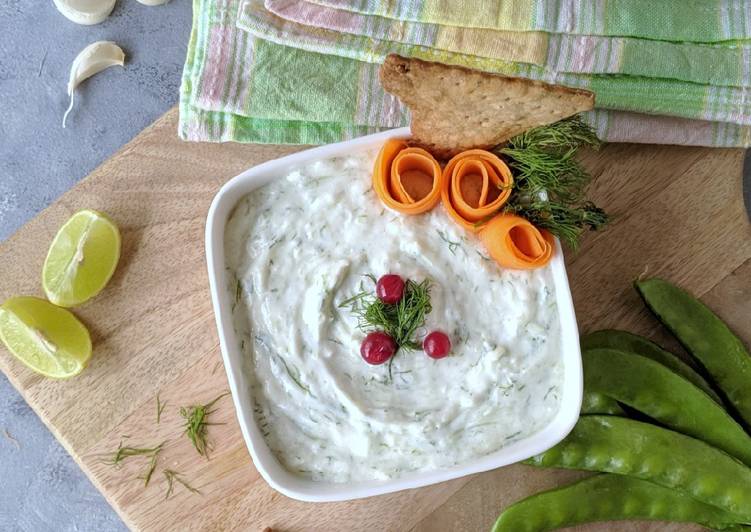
(677, 213)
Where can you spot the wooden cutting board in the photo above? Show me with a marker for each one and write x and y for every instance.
(677, 212)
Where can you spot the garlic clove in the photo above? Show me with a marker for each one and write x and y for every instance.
(86, 12)
(92, 59)
(153, 2)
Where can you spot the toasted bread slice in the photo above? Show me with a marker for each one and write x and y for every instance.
(456, 108)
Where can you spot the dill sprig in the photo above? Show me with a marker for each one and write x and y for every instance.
(400, 321)
(549, 182)
(173, 476)
(567, 222)
(197, 422)
(159, 408)
(560, 137)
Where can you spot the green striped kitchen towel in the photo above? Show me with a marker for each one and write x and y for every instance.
(624, 93)
(705, 63)
(669, 20)
(237, 87)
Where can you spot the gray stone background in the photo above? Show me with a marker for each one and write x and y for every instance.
(42, 488)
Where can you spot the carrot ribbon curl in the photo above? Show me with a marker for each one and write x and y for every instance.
(407, 179)
(476, 184)
(513, 242)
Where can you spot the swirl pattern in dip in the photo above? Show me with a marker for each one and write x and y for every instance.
(300, 246)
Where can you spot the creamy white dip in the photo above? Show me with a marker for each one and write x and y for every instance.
(301, 245)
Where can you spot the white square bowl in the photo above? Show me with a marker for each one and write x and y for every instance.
(265, 462)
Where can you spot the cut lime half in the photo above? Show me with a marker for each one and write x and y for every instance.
(47, 338)
(82, 258)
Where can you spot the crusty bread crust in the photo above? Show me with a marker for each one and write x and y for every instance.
(455, 108)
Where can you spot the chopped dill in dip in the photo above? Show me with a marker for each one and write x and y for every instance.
(299, 247)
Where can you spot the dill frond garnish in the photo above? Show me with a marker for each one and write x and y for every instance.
(549, 182)
(565, 221)
(197, 422)
(400, 321)
(173, 476)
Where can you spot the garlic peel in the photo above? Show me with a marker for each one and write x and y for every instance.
(86, 12)
(153, 2)
(92, 59)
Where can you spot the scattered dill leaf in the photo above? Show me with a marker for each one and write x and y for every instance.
(294, 375)
(355, 299)
(549, 182)
(514, 435)
(159, 408)
(11, 438)
(122, 452)
(452, 244)
(196, 424)
(152, 453)
(173, 476)
(146, 477)
(391, 364)
(238, 291)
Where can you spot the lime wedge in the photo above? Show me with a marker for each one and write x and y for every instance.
(48, 339)
(82, 258)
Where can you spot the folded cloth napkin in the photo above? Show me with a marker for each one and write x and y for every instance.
(724, 64)
(242, 88)
(624, 93)
(690, 20)
(232, 90)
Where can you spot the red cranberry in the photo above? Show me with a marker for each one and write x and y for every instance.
(437, 344)
(377, 348)
(390, 288)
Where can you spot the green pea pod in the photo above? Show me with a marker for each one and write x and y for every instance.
(654, 390)
(608, 498)
(613, 444)
(597, 403)
(633, 343)
(706, 337)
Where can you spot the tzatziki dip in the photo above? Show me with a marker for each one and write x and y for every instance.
(302, 245)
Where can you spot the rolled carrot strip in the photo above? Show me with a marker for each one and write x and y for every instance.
(476, 184)
(406, 179)
(513, 242)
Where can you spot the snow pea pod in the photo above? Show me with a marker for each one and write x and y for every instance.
(706, 337)
(597, 403)
(654, 390)
(613, 444)
(633, 343)
(608, 498)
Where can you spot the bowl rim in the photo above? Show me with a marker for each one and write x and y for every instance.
(264, 461)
